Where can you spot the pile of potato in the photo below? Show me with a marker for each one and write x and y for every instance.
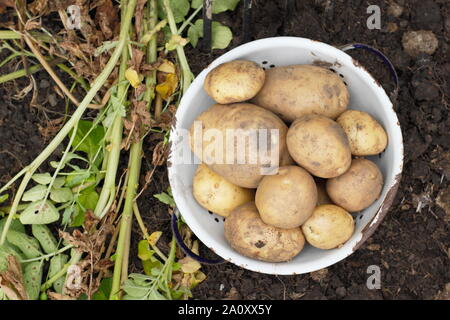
(322, 176)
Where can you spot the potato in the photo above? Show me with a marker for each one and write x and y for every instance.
(322, 195)
(234, 81)
(358, 188)
(297, 90)
(319, 145)
(286, 199)
(329, 227)
(365, 135)
(216, 194)
(222, 138)
(251, 237)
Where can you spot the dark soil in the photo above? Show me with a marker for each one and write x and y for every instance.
(411, 246)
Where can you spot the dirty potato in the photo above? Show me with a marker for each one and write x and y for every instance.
(228, 139)
(251, 237)
(297, 90)
(286, 199)
(216, 194)
(365, 135)
(234, 81)
(319, 145)
(328, 227)
(357, 188)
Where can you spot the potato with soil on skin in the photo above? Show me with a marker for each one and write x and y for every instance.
(357, 188)
(251, 237)
(328, 227)
(365, 135)
(297, 90)
(234, 81)
(234, 125)
(216, 194)
(287, 199)
(319, 145)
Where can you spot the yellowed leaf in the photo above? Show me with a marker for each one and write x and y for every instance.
(196, 278)
(167, 67)
(175, 41)
(133, 77)
(189, 265)
(168, 87)
(149, 35)
(154, 237)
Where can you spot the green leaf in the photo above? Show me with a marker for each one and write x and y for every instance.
(36, 193)
(165, 198)
(67, 215)
(218, 5)
(42, 178)
(104, 290)
(76, 178)
(4, 197)
(221, 34)
(180, 9)
(106, 46)
(59, 182)
(39, 212)
(87, 200)
(89, 139)
(194, 33)
(152, 267)
(61, 195)
(144, 251)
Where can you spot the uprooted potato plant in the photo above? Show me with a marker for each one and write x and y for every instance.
(65, 234)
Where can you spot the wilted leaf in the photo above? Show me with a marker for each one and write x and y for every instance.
(11, 280)
(154, 237)
(133, 77)
(166, 66)
(168, 87)
(107, 18)
(5, 4)
(39, 213)
(149, 35)
(196, 278)
(34, 194)
(189, 265)
(176, 41)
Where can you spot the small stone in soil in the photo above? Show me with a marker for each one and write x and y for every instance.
(395, 10)
(44, 84)
(422, 41)
(52, 100)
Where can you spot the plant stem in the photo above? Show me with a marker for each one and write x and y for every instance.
(57, 140)
(134, 170)
(76, 257)
(186, 71)
(48, 255)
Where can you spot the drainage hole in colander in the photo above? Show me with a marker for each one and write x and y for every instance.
(341, 75)
(360, 217)
(210, 212)
(265, 62)
(331, 69)
(345, 83)
(272, 66)
(217, 220)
